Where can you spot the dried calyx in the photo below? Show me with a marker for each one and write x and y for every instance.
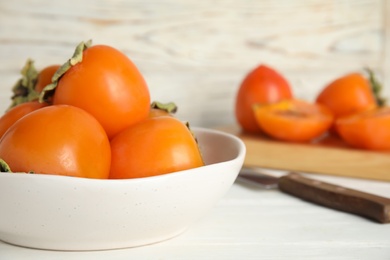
(24, 88)
(196, 140)
(76, 58)
(170, 107)
(4, 166)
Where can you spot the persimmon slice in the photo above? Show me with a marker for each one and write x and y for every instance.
(293, 120)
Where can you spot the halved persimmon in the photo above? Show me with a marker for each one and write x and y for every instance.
(366, 130)
(293, 120)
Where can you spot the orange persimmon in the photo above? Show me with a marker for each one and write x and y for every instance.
(45, 76)
(60, 140)
(366, 130)
(262, 85)
(155, 146)
(350, 94)
(17, 112)
(106, 84)
(293, 120)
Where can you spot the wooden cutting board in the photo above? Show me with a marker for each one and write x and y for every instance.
(329, 155)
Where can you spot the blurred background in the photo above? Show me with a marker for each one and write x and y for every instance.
(196, 53)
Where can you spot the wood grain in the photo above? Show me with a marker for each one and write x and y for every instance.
(197, 52)
(327, 156)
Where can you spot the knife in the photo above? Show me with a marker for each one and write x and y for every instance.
(360, 203)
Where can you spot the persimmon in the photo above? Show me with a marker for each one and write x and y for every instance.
(293, 120)
(45, 76)
(60, 140)
(262, 85)
(104, 82)
(17, 112)
(351, 94)
(155, 146)
(366, 130)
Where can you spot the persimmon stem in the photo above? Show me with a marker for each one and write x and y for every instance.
(376, 88)
(76, 58)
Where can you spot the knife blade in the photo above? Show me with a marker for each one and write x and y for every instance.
(340, 198)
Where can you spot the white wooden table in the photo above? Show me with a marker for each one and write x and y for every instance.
(196, 53)
(254, 223)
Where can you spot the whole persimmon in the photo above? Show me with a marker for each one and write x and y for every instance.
(104, 82)
(262, 85)
(350, 94)
(45, 77)
(58, 140)
(17, 112)
(155, 146)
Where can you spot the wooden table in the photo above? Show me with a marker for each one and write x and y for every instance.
(254, 223)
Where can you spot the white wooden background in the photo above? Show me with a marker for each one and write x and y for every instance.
(197, 52)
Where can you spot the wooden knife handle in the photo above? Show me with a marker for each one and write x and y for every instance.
(340, 198)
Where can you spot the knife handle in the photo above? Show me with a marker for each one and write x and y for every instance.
(340, 198)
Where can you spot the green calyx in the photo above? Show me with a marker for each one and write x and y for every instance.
(196, 139)
(76, 58)
(170, 107)
(24, 88)
(4, 166)
(376, 87)
(192, 133)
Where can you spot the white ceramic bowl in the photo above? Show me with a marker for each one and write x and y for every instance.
(68, 213)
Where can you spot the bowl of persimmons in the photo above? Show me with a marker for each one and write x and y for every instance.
(88, 162)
